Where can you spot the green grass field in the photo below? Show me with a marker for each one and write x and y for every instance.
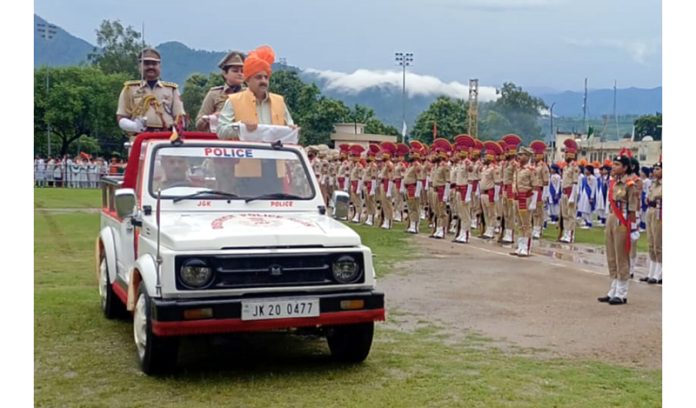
(83, 360)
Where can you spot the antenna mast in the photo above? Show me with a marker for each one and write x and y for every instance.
(473, 108)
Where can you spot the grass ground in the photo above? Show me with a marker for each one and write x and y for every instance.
(83, 360)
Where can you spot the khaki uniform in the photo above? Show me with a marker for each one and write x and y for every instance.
(370, 185)
(475, 178)
(654, 221)
(160, 105)
(487, 189)
(344, 175)
(212, 103)
(616, 233)
(399, 171)
(462, 189)
(543, 174)
(523, 185)
(498, 179)
(410, 180)
(422, 175)
(440, 181)
(509, 204)
(569, 184)
(386, 192)
(356, 175)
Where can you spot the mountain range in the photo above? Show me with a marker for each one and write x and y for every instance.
(180, 61)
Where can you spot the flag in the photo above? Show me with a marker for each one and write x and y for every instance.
(434, 130)
(403, 130)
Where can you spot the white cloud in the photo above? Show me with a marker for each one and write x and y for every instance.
(640, 51)
(416, 85)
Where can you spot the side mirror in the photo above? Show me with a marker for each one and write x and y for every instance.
(125, 202)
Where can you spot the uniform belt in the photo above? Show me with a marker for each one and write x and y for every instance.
(567, 190)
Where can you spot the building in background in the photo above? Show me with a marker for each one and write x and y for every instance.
(354, 133)
(647, 151)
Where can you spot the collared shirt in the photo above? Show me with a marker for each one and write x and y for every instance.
(133, 102)
(213, 102)
(263, 110)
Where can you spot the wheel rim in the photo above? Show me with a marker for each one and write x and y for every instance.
(140, 326)
(103, 282)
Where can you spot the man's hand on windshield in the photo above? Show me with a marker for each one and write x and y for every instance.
(251, 127)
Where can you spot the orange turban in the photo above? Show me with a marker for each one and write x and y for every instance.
(259, 60)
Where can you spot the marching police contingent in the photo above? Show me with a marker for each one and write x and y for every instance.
(507, 191)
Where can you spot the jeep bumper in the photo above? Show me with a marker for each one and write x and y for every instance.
(173, 317)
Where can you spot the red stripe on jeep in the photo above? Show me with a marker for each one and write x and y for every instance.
(212, 326)
(120, 292)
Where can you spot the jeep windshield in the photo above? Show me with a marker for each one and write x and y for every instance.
(229, 173)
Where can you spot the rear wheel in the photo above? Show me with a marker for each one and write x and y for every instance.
(156, 354)
(111, 305)
(350, 343)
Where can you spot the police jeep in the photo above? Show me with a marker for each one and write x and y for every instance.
(206, 236)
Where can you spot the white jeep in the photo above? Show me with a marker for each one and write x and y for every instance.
(215, 236)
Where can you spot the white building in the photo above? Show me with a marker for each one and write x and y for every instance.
(354, 133)
(592, 149)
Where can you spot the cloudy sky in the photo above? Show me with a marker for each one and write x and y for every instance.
(533, 43)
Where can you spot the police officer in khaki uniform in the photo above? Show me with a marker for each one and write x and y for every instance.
(621, 228)
(475, 177)
(149, 104)
(232, 66)
(543, 175)
(399, 171)
(462, 145)
(569, 186)
(487, 187)
(413, 185)
(356, 176)
(523, 187)
(509, 203)
(386, 185)
(654, 221)
(370, 184)
(441, 185)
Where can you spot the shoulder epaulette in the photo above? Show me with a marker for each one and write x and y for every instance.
(132, 82)
(169, 84)
(217, 88)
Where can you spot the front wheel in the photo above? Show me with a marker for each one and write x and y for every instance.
(350, 343)
(156, 354)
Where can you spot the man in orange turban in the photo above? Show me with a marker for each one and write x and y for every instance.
(255, 105)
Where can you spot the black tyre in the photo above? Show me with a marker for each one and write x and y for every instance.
(111, 305)
(157, 355)
(350, 343)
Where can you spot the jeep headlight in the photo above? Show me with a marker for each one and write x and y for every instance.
(195, 274)
(346, 269)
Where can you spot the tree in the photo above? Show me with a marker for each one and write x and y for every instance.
(514, 112)
(649, 125)
(117, 49)
(81, 101)
(448, 115)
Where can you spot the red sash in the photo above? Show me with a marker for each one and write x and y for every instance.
(440, 193)
(354, 186)
(411, 190)
(397, 182)
(522, 199)
(462, 190)
(341, 181)
(617, 212)
(539, 193)
(491, 194)
(385, 185)
(508, 191)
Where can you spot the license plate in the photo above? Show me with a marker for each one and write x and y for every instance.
(279, 309)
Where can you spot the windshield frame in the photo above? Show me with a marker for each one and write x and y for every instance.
(309, 175)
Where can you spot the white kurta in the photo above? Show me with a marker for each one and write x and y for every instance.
(555, 194)
(587, 194)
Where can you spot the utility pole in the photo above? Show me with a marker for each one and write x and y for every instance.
(473, 108)
(552, 134)
(404, 59)
(584, 109)
(47, 32)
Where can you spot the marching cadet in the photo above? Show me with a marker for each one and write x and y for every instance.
(333, 174)
(654, 226)
(498, 179)
(322, 156)
(523, 186)
(569, 184)
(638, 183)
(455, 159)
(370, 183)
(399, 171)
(430, 166)
(541, 186)
(462, 145)
(475, 177)
(356, 176)
(386, 184)
(413, 185)
(149, 104)
(232, 66)
(343, 175)
(487, 187)
(621, 228)
(422, 176)
(441, 149)
(509, 210)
